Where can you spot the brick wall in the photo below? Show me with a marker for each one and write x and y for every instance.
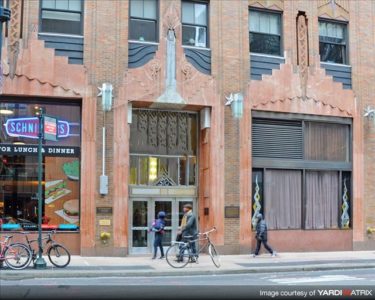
(105, 60)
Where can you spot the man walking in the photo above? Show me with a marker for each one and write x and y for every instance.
(261, 236)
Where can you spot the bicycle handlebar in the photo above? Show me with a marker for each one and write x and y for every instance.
(209, 231)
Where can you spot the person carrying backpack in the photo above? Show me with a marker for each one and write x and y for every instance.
(158, 227)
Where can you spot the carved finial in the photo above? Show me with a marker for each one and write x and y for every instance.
(171, 18)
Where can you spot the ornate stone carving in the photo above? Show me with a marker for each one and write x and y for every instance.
(172, 131)
(155, 68)
(270, 4)
(337, 9)
(162, 130)
(182, 132)
(171, 19)
(14, 34)
(344, 4)
(187, 71)
(152, 129)
(303, 55)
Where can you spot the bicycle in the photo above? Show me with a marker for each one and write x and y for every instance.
(16, 256)
(179, 254)
(57, 254)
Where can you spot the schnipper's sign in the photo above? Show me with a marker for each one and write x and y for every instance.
(29, 127)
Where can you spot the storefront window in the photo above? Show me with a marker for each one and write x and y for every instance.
(19, 166)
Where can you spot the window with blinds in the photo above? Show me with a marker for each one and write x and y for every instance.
(277, 139)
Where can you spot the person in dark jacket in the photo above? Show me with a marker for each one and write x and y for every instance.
(158, 228)
(261, 236)
(189, 226)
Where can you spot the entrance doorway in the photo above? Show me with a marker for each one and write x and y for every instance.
(143, 211)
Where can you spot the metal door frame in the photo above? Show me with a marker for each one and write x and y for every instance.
(151, 216)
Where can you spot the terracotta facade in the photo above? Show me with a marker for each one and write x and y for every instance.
(300, 86)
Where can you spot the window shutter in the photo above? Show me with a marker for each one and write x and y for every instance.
(277, 139)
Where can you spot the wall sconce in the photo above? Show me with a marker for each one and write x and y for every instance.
(236, 103)
(106, 93)
(205, 118)
(369, 113)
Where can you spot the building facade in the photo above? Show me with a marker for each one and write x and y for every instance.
(234, 106)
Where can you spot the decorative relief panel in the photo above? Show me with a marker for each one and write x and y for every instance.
(172, 132)
(182, 131)
(163, 132)
(270, 4)
(14, 35)
(303, 55)
(152, 129)
(334, 9)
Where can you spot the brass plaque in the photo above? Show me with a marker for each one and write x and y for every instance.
(104, 210)
(105, 222)
(232, 211)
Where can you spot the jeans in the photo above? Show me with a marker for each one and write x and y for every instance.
(158, 242)
(259, 243)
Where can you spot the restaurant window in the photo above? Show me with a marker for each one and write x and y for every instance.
(304, 169)
(265, 32)
(333, 42)
(19, 166)
(163, 148)
(62, 16)
(195, 23)
(143, 20)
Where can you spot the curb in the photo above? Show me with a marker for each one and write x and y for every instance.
(17, 275)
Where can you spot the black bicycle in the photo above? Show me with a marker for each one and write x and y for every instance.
(57, 254)
(179, 254)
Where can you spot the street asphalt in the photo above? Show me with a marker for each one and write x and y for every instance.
(243, 286)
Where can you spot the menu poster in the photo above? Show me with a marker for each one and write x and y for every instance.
(62, 190)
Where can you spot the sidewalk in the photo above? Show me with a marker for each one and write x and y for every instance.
(230, 264)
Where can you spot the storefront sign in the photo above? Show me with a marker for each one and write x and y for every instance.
(29, 128)
(9, 149)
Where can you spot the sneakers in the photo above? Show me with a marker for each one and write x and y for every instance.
(161, 257)
(154, 257)
(274, 254)
(254, 255)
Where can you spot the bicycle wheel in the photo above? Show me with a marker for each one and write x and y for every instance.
(17, 256)
(177, 255)
(214, 255)
(59, 256)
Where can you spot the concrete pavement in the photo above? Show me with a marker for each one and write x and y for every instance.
(230, 264)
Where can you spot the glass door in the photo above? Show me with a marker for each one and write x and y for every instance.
(145, 211)
(139, 219)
